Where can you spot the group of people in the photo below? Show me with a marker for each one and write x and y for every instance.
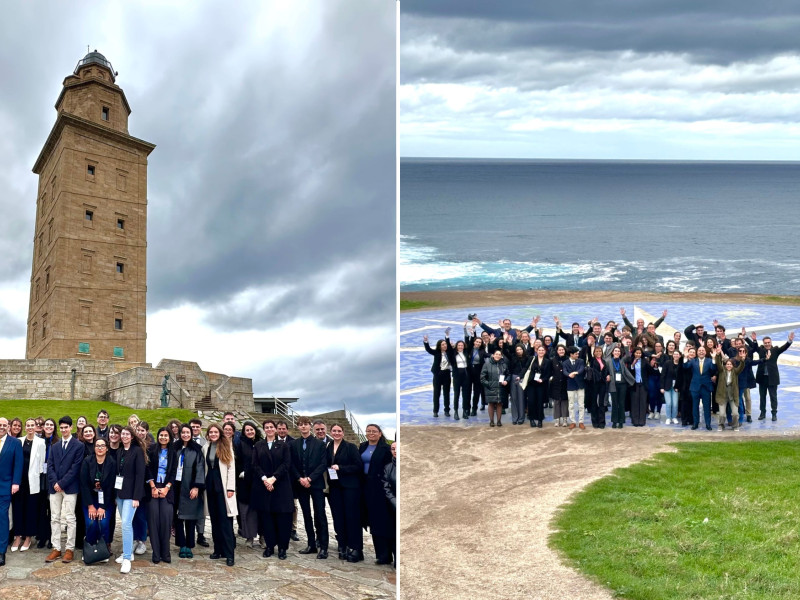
(162, 486)
(628, 369)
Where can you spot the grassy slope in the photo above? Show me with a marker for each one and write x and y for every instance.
(117, 413)
(642, 531)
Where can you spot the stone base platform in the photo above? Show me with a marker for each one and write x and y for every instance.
(137, 385)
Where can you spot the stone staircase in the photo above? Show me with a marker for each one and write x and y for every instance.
(205, 405)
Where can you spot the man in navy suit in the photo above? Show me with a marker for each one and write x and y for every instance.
(702, 369)
(63, 474)
(10, 478)
(308, 465)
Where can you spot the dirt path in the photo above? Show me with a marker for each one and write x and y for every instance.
(470, 299)
(477, 506)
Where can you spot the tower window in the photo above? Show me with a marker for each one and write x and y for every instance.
(90, 170)
(118, 324)
(121, 224)
(120, 267)
(105, 113)
(89, 215)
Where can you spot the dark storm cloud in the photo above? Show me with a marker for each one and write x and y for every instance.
(706, 32)
(358, 297)
(323, 389)
(275, 158)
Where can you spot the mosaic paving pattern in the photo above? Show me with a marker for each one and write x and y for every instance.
(415, 377)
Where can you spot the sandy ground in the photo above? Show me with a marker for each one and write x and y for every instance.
(469, 299)
(476, 510)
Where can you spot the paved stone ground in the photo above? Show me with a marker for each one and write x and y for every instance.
(253, 577)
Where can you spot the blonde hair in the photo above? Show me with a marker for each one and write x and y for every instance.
(224, 449)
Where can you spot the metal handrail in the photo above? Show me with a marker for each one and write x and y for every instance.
(283, 409)
(354, 424)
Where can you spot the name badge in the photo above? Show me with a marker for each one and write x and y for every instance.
(44, 468)
(118, 482)
(659, 369)
(101, 497)
(333, 474)
(502, 378)
(617, 376)
(537, 377)
(179, 472)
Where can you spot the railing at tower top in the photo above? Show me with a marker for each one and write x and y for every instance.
(284, 410)
(354, 424)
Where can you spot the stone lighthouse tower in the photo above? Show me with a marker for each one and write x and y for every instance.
(88, 281)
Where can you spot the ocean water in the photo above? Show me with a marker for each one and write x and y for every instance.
(472, 224)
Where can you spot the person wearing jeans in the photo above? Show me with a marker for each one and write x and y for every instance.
(129, 484)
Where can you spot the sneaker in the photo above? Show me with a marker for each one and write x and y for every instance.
(140, 548)
(120, 558)
(720, 427)
(126, 566)
(557, 423)
(736, 428)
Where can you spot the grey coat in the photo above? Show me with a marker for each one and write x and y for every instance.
(627, 377)
(194, 475)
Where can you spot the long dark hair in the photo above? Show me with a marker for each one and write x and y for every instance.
(136, 441)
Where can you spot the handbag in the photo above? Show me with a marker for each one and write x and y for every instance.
(97, 552)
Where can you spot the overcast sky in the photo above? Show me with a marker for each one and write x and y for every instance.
(668, 79)
(271, 238)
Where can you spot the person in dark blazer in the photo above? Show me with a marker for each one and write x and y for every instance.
(24, 503)
(248, 519)
(697, 334)
(459, 362)
(375, 455)
(50, 437)
(190, 482)
(767, 375)
(11, 473)
(441, 375)
(63, 485)
(620, 379)
(131, 469)
(702, 369)
(639, 370)
(476, 356)
(308, 467)
(345, 495)
(271, 494)
(390, 488)
(536, 386)
(597, 379)
(97, 492)
(671, 369)
(574, 370)
(161, 466)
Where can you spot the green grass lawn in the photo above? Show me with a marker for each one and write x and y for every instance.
(714, 520)
(55, 409)
(412, 304)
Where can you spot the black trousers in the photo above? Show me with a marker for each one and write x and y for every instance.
(24, 508)
(441, 383)
(477, 388)
(536, 394)
(275, 528)
(43, 511)
(384, 548)
(773, 397)
(159, 524)
(461, 386)
(345, 508)
(221, 523)
(184, 532)
(595, 398)
(307, 496)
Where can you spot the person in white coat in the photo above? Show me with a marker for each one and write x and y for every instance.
(220, 492)
(24, 504)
